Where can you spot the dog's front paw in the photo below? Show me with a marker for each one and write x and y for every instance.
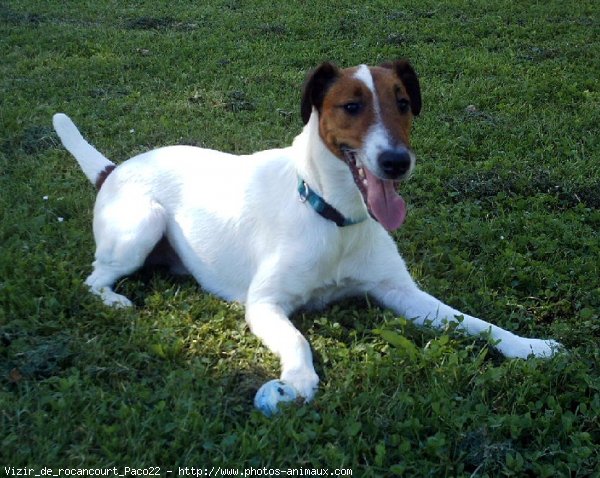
(304, 381)
(520, 347)
(112, 299)
(108, 296)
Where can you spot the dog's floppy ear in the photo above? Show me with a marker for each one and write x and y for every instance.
(316, 85)
(407, 74)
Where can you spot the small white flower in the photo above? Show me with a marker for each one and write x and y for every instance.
(502, 238)
(60, 219)
(132, 130)
(45, 198)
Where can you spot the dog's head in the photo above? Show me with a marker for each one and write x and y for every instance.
(365, 117)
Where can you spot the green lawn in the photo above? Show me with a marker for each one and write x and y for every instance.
(504, 223)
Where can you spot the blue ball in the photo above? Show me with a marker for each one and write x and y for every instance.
(271, 394)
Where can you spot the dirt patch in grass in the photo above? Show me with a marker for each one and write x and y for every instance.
(11, 17)
(159, 23)
(32, 140)
(484, 185)
(43, 359)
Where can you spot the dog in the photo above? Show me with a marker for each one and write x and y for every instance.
(282, 229)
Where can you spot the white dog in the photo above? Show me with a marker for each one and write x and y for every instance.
(284, 228)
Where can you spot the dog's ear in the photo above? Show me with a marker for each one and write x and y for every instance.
(316, 85)
(407, 74)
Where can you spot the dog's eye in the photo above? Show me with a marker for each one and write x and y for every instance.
(403, 105)
(353, 108)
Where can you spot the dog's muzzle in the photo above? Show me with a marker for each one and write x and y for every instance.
(383, 202)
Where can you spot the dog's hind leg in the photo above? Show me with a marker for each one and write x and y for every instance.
(126, 231)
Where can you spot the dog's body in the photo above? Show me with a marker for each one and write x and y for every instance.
(247, 227)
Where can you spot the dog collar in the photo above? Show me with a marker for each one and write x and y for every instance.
(323, 208)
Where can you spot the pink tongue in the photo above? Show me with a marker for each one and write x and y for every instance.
(384, 202)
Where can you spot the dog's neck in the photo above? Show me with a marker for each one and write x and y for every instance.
(326, 174)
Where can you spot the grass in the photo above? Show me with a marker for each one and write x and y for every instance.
(503, 223)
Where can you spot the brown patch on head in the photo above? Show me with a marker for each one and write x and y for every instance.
(103, 175)
(399, 102)
(347, 113)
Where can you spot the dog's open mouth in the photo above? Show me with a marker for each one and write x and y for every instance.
(383, 202)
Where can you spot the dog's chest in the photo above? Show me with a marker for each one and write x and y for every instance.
(336, 273)
(332, 291)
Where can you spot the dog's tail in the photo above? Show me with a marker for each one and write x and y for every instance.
(94, 164)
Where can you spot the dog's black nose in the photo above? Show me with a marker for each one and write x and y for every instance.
(395, 162)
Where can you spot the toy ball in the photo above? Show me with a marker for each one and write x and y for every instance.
(271, 394)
